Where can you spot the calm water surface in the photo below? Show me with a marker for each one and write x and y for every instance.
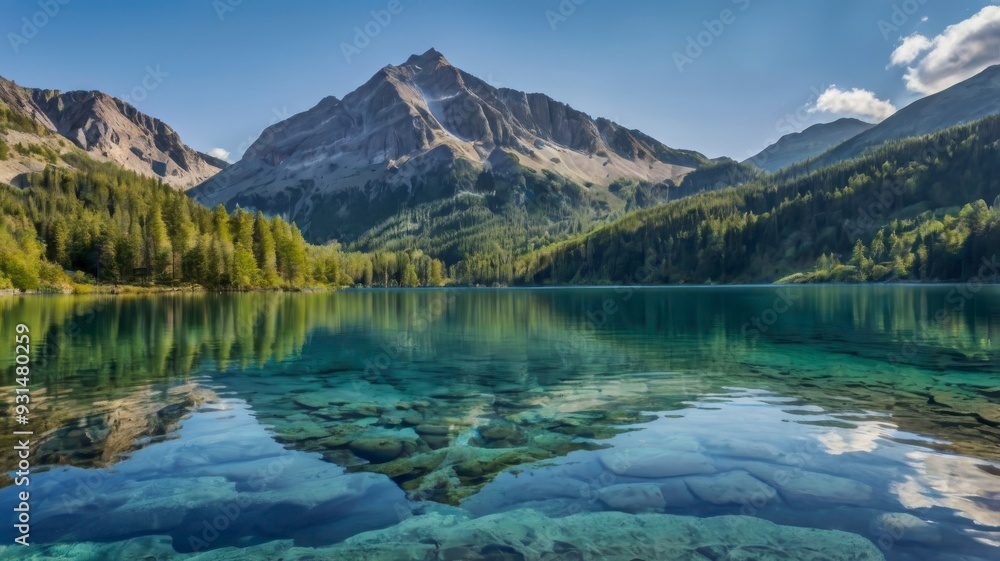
(260, 426)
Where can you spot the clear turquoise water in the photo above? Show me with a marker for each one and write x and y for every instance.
(171, 425)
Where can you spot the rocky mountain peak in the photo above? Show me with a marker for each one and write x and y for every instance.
(110, 129)
(411, 121)
(432, 57)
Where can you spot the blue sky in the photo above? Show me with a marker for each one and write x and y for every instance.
(219, 71)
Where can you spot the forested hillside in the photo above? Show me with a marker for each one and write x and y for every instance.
(100, 223)
(496, 217)
(923, 208)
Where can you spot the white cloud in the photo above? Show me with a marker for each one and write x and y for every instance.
(220, 153)
(960, 52)
(909, 49)
(855, 102)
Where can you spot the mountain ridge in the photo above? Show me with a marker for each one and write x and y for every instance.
(964, 102)
(808, 143)
(414, 121)
(109, 129)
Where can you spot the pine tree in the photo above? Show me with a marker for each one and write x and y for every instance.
(858, 254)
(242, 228)
(410, 276)
(157, 246)
(56, 247)
(220, 222)
(107, 264)
(130, 254)
(195, 263)
(182, 233)
(435, 273)
(290, 250)
(220, 251)
(245, 273)
(878, 247)
(264, 252)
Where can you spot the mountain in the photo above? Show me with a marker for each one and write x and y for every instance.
(106, 128)
(964, 102)
(813, 141)
(934, 221)
(427, 131)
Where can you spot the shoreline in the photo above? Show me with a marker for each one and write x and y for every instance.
(132, 290)
(136, 290)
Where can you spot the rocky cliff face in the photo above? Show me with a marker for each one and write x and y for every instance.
(109, 129)
(414, 121)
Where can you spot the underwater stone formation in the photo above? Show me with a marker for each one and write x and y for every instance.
(527, 535)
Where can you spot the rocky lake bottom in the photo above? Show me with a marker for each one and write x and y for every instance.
(518, 425)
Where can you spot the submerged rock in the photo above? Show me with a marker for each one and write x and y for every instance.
(361, 410)
(561, 445)
(501, 434)
(411, 419)
(151, 507)
(298, 431)
(529, 535)
(487, 462)
(433, 430)
(339, 436)
(676, 493)
(632, 497)
(731, 488)
(409, 468)
(807, 489)
(377, 450)
(679, 442)
(311, 402)
(656, 463)
(524, 534)
(906, 528)
(322, 486)
(745, 449)
(435, 436)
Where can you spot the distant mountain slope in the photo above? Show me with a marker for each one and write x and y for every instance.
(107, 129)
(343, 166)
(964, 102)
(936, 220)
(811, 142)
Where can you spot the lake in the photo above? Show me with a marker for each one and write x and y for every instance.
(816, 422)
